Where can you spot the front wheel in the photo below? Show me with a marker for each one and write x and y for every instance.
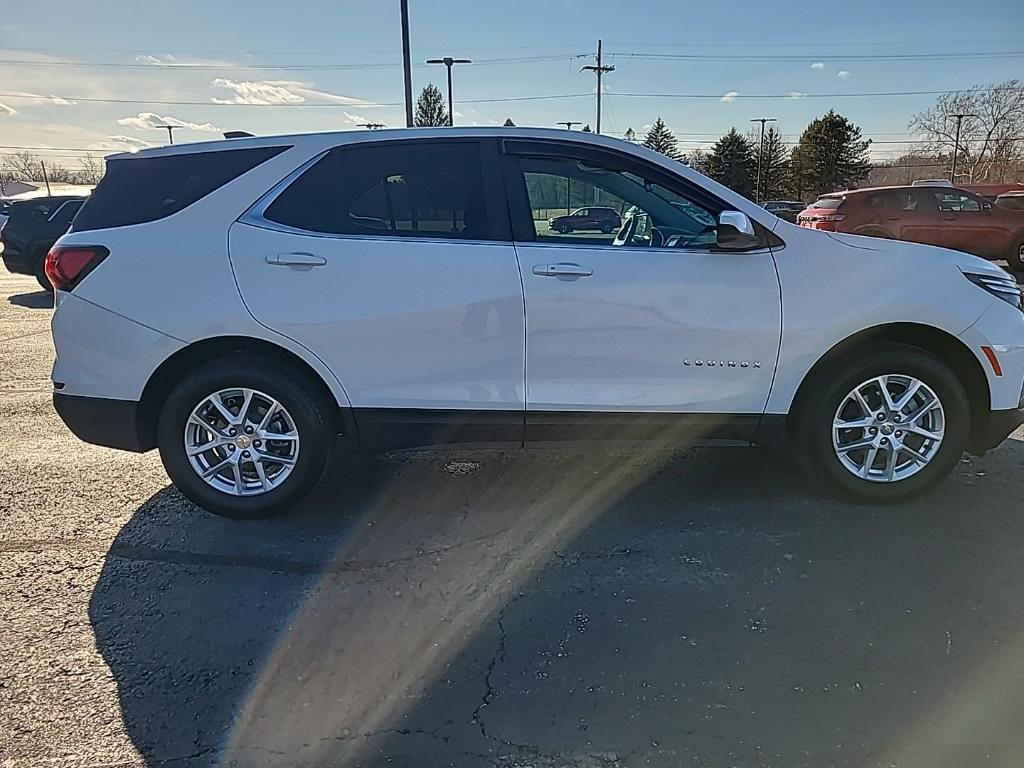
(885, 427)
(244, 437)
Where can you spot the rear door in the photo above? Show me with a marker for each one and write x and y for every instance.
(392, 262)
(911, 215)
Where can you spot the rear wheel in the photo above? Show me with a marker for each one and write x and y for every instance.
(1015, 258)
(39, 270)
(606, 229)
(885, 427)
(243, 438)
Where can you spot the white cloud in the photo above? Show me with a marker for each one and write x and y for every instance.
(5, 110)
(795, 95)
(278, 92)
(38, 98)
(842, 74)
(147, 121)
(164, 58)
(818, 66)
(130, 140)
(730, 97)
(355, 119)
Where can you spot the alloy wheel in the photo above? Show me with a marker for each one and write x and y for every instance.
(241, 441)
(888, 428)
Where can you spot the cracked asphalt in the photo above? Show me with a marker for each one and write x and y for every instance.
(539, 608)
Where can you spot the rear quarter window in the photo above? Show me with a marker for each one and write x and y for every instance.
(137, 190)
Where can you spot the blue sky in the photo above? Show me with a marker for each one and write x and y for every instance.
(345, 54)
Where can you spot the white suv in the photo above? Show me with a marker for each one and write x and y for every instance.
(249, 306)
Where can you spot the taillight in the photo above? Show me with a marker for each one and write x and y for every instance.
(66, 265)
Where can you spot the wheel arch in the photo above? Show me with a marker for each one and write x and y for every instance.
(163, 379)
(874, 230)
(946, 347)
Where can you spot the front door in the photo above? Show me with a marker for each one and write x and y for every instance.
(647, 332)
(392, 262)
(971, 224)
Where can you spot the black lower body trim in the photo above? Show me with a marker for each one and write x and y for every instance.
(998, 427)
(386, 429)
(111, 423)
(382, 429)
(19, 263)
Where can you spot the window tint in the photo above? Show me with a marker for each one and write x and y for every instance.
(828, 203)
(406, 190)
(140, 189)
(956, 201)
(633, 210)
(66, 212)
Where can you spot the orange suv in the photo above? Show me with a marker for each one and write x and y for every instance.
(935, 215)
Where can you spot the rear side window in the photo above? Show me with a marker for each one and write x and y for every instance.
(828, 203)
(403, 190)
(140, 189)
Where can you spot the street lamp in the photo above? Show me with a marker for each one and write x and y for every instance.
(760, 153)
(170, 129)
(448, 61)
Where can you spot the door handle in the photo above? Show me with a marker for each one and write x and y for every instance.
(296, 260)
(562, 270)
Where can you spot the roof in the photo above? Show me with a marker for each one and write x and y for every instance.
(383, 134)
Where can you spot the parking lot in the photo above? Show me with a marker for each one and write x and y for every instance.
(538, 608)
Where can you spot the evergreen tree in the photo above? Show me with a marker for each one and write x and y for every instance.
(508, 123)
(586, 128)
(732, 162)
(430, 109)
(661, 139)
(830, 156)
(773, 158)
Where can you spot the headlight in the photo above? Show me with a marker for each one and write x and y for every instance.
(1001, 286)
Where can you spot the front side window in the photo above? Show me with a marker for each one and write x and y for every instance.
(625, 208)
(401, 190)
(957, 202)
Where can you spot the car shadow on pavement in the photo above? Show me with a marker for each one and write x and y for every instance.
(569, 608)
(37, 300)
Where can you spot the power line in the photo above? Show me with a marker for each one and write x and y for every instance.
(949, 55)
(170, 65)
(367, 105)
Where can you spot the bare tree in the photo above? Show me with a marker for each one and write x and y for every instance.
(23, 166)
(990, 139)
(90, 171)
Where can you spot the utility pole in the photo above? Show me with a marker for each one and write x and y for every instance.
(407, 64)
(371, 126)
(568, 123)
(45, 177)
(760, 154)
(598, 70)
(448, 61)
(170, 131)
(956, 144)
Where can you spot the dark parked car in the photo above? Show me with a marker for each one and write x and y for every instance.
(936, 215)
(32, 227)
(605, 220)
(1013, 201)
(785, 209)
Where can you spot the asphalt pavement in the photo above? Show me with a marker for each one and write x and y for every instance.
(581, 608)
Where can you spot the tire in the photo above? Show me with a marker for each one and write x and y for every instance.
(1015, 258)
(606, 230)
(305, 415)
(40, 273)
(818, 447)
(564, 229)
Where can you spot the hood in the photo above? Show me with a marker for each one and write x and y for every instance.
(898, 248)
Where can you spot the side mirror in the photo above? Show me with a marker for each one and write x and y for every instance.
(736, 232)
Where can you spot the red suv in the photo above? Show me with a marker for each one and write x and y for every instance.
(605, 220)
(935, 215)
